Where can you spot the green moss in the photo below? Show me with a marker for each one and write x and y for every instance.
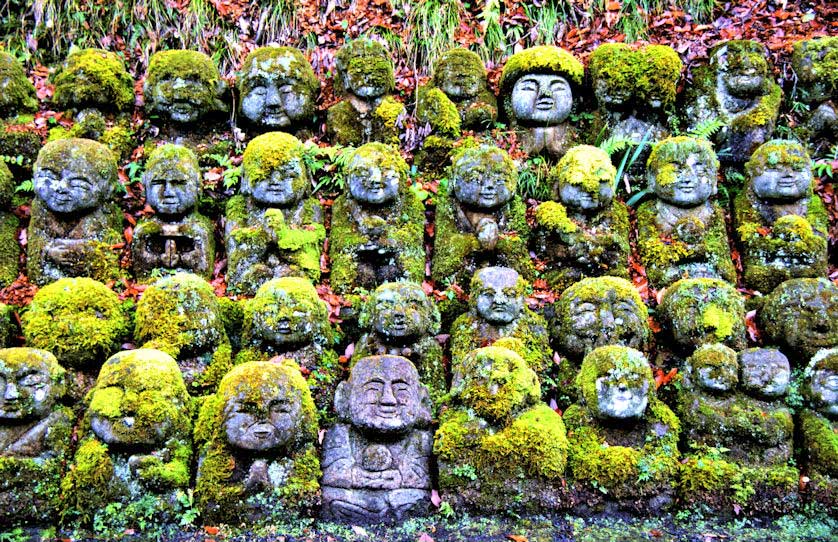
(777, 152)
(80, 320)
(277, 294)
(820, 443)
(367, 57)
(9, 248)
(552, 216)
(584, 166)
(545, 59)
(621, 364)
(435, 108)
(285, 62)
(346, 126)
(94, 78)
(55, 155)
(698, 311)
(184, 64)
(666, 155)
(662, 71)
(815, 63)
(460, 61)
(268, 152)
(384, 120)
(19, 95)
(617, 66)
(86, 485)
(119, 139)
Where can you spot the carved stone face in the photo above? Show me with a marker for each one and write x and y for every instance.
(277, 189)
(186, 99)
(384, 395)
(803, 315)
(284, 325)
(824, 391)
(27, 392)
(371, 182)
(765, 371)
(368, 73)
(721, 378)
(499, 300)
(458, 82)
(400, 312)
(704, 311)
(783, 182)
(742, 75)
(72, 181)
(576, 196)
(171, 190)
(622, 398)
(687, 184)
(482, 179)
(541, 99)
(613, 97)
(264, 421)
(272, 100)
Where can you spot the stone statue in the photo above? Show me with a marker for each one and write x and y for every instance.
(682, 233)
(378, 226)
(368, 112)
(583, 232)
(376, 459)
(536, 89)
(177, 237)
(9, 248)
(800, 316)
(814, 64)
(278, 90)
(400, 320)
(498, 447)
(135, 443)
(181, 316)
(94, 79)
(497, 309)
(622, 437)
(819, 427)
(274, 227)
(35, 435)
(736, 89)
(780, 222)
(183, 87)
(73, 221)
(19, 95)
(480, 220)
(256, 439)
(286, 320)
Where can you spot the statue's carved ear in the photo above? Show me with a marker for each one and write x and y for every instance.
(342, 400)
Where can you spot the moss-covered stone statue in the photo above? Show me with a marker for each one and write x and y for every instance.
(35, 438)
(400, 320)
(499, 448)
(177, 237)
(623, 439)
(801, 317)
(256, 439)
(9, 248)
(815, 63)
(378, 226)
(819, 427)
(737, 89)
(780, 223)
(497, 309)
(93, 78)
(181, 316)
(737, 430)
(135, 444)
(376, 459)
(73, 222)
(583, 232)
(536, 90)
(286, 320)
(183, 87)
(480, 220)
(278, 90)
(368, 111)
(682, 233)
(19, 96)
(274, 228)
(80, 321)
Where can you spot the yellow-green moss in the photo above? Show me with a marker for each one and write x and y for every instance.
(552, 215)
(820, 444)
(94, 78)
(777, 152)
(286, 62)
(690, 307)
(585, 166)
(546, 59)
(675, 150)
(368, 56)
(436, 109)
(184, 64)
(66, 151)
(19, 95)
(621, 364)
(662, 71)
(815, 63)
(267, 152)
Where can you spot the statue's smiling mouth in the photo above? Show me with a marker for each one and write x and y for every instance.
(545, 104)
(387, 411)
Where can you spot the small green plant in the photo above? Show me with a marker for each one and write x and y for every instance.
(25, 186)
(231, 174)
(532, 179)
(327, 165)
(707, 128)
(466, 471)
(446, 510)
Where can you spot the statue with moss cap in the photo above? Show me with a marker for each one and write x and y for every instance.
(779, 221)
(536, 89)
(181, 316)
(499, 447)
(368, 111)
(583, 232)
(183, 87)
(177, 237)
(73, 221)
(256, 439)
(622, 437)
(19, 95)
(378, 226)
(278, 89)
(682, 234)
(135, 443)
(93, 79)
(286, 320)
(400, 320)
(274, 227)
(480, 220)
(376, 459)
(497, 309)
(737, 89)
(815, 63)
(35, 435)
(800, 316)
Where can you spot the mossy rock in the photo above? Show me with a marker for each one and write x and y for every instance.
(434, 108)
(19, 95)
(9, 247)
(93, 78)
(815, 63)
(365, 59)
(650, 72)
(346, 126)
(475, 103)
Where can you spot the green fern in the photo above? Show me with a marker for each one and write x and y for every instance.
(706, 129)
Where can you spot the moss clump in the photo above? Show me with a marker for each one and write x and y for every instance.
(815, 63)
(583, 166)
(663, 70)
(346, 126)
(267, 153)
(545, 59)
(9, 248)
(613, 66)
(436, 109)
(364, 62)
(182, 64)
(285, 62)
(460, 73)
(93, 78)
(80, 320)
(670, 152)
(19, 95)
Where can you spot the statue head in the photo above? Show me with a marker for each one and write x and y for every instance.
(660, 68)
(682, 171)
(813, 62)
(483, 177)
(364, 69)
(286, 314)
(714, 368)
(802, 315)
(613, 75)
(383, 396)
(498, 295)
(267, 406)
(764, 372)
(400, 313)
(139, 400)
(537, 85)
(183, 86)
(275, 174)
(703, 311)
(74, 176)
(583, 180)
(820, 382)
(374, 173)
(31, 383)
(460, 74)
(94, 78)
(18, 93)
(599, 311)
(616, 383)
(172, 180)
(741, 66)
(780, 171)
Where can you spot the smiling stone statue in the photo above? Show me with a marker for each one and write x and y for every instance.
(183, 87)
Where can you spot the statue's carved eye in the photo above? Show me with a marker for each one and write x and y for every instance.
(259, 91)
(286, 89)
(80, 182)
(32, 380)
(528, 85)
(280, 406)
